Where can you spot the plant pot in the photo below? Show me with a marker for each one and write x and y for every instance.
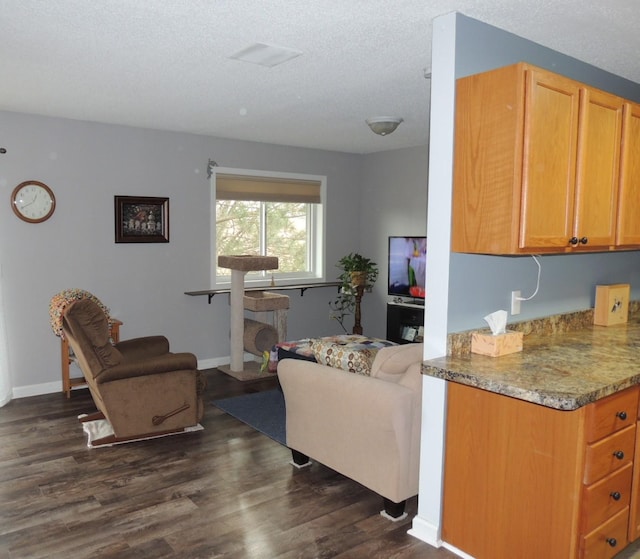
(358, 278)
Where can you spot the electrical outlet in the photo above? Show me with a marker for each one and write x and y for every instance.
(515, 302)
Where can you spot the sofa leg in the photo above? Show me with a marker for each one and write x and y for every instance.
(299, 460)
(394, 511)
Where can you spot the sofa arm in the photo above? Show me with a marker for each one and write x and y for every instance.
(143, 348)
(167, 363)
(362, 427)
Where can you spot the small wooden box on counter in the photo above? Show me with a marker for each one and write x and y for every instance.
(612, 304)
(495, 346)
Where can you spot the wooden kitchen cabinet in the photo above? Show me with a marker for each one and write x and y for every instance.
(628, 224)
(598, 168)
(634, 512)
(537, 159)
(610, 437)
(524, 480)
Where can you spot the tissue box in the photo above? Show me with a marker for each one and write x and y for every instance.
(612, 304)
(495, 346)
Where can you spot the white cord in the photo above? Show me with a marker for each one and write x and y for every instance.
(538, 283)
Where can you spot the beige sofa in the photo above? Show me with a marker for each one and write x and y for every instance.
(365, 427)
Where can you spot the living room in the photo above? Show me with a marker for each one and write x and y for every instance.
(76, 247)
(89, 163)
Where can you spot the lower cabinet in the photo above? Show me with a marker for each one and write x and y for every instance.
(523, 480)
(634, 512)
(610, 436)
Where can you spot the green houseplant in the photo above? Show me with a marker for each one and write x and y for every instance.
(358, 274)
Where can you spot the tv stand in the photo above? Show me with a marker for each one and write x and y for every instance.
(405, 322)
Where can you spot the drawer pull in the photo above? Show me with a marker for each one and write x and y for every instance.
(612, 542)
(573, 241)
(615, 495)
(619, 454)
(622, 415)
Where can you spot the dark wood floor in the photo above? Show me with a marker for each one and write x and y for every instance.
(225, 492)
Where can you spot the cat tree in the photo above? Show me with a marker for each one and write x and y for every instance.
(254, 336)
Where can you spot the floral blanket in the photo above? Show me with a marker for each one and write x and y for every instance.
(352, 353)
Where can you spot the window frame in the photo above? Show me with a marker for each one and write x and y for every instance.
(315, 233)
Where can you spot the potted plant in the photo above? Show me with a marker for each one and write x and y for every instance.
(358, 274)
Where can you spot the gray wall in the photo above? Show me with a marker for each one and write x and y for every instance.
(482, 284)
(86, 164)
(394, 202)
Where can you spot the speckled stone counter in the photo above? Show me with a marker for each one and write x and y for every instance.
(562, 367)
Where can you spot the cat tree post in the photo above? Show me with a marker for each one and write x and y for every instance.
(239, 266)
(237, 319)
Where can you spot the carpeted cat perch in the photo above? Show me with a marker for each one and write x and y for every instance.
(253, 336)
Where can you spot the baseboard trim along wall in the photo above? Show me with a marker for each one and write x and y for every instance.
(425, 531)
(56, 386)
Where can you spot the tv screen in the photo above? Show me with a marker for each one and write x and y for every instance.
(407, 266)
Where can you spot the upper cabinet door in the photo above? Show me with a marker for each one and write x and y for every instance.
(550, 141)
(628, 226)
(487, 173)
(597, 172)
(543, 164)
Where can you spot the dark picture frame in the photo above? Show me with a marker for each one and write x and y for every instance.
(141, 219)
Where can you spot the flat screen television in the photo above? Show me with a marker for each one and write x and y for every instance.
(407, 267)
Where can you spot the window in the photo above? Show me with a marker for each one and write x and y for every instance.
(271, 214)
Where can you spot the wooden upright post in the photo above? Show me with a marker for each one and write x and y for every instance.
(357, 327)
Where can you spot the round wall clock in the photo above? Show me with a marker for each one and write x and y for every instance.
(33, 201)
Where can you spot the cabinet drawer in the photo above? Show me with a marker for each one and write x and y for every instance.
(611, 414)
(607, 539)
(605, 498)
(609, 454)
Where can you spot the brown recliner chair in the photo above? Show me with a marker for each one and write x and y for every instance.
(137, 385)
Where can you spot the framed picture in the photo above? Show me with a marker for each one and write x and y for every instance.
(141, 219)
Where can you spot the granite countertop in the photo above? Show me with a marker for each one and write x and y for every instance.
(563, 370)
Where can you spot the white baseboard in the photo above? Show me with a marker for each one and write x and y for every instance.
(430, 534)
(215, 362)
(56, 386)
(458, 552)
(212, 363)
(37, 389)
(425, 531)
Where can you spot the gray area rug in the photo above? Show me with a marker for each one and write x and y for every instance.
(264, 411)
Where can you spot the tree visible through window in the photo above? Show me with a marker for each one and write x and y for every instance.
(270, 216)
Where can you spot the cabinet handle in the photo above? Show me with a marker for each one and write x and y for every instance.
(612, 542)
(573, 241)
(622, 415)
(584, 240)
(619, 454)
(615, 495)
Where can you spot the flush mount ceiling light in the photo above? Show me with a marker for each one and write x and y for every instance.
(384, 125)
(265, 55)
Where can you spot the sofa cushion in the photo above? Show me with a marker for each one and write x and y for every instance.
(392, 363)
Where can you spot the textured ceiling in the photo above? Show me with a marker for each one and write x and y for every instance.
(165, 64)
